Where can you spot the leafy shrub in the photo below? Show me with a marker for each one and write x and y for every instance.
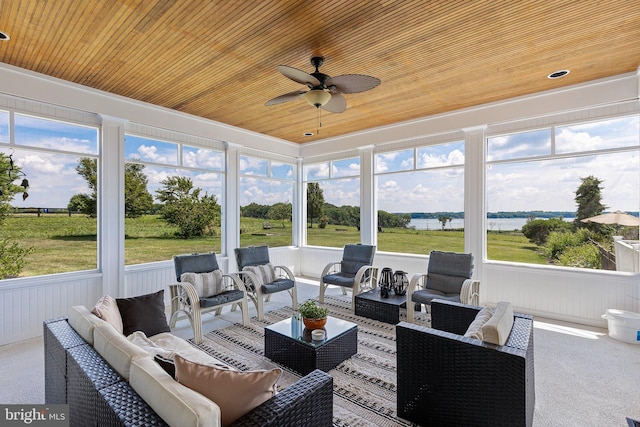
(583, 256)
(12, 258)
(538, 230)
(558, 242)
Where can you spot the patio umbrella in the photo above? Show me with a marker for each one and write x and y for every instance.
(615, 218)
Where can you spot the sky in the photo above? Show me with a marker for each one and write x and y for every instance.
(518, 176)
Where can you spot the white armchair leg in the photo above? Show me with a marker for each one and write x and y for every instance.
(260, 308)
(196, 325)
(410, 310)
(244, 307)
(322, 289)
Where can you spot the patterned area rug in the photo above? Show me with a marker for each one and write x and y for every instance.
(364, 386)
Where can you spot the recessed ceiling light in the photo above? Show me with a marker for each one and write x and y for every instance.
(4, 36)
(558, 74)
(308, 134)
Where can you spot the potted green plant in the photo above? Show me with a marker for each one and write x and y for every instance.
(313, 316)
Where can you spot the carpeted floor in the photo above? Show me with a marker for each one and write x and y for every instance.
(364, 385)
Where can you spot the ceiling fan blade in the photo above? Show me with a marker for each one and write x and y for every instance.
(352, 83)
(285, 98)
(337, 104)
(298, 76)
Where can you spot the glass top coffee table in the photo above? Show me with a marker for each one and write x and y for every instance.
(289, 343)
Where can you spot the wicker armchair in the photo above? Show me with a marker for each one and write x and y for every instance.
(186, 302)
(445, 379)
(448, 277)
(354, 271)
(262, 279)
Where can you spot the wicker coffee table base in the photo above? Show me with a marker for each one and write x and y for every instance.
(370, 304)
(304, 358)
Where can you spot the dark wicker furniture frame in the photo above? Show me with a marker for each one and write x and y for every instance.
(303, 357)
(445, 379)
(370, 304)
(77, 375)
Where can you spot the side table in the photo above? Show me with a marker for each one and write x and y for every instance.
(370, 304)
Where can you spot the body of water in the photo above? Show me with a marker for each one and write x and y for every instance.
(493, 224)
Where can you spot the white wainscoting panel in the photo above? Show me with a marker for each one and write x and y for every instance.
(148, 278)
(314, 259)
(287, 256)
(25, 304)
(558, 293)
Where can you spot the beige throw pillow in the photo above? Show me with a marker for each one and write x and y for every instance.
(475, 328)
(498, 328)
(235, 392)
(206, 284)
(107, 309)
(266, 273)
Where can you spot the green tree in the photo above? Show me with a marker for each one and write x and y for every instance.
(87, 203)
(77, 203)
(280, 212)
(444, 219)
(194, 214)
(391, 220)
(137, 199)
(12, 255)
(589, 200)
(315, 202)
(254, 210)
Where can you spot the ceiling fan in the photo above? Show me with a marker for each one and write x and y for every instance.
(323, 91)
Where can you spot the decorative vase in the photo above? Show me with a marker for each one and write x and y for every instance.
(386, 282)
(312, 324)
(400, 282)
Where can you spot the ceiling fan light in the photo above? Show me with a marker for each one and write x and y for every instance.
(317, 97)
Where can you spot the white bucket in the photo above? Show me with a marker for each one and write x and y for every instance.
(623, 325)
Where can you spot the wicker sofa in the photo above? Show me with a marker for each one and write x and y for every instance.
(76, 374)
(444, 378)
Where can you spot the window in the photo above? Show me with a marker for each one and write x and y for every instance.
(173, 199)
(266, 196)
(333, 202)
(420, 199)
(533, 177)
(4, 127)
(56, 224)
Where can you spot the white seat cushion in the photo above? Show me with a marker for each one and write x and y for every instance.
(116, 349)
(84, 322)
(176, 404)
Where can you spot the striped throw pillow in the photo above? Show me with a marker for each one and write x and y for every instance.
(206, 284)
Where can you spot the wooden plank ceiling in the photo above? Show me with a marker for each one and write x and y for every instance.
(218, 59)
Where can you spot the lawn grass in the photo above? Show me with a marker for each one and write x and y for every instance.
(64, 243)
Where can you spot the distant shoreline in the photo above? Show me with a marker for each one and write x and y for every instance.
(500, 215)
